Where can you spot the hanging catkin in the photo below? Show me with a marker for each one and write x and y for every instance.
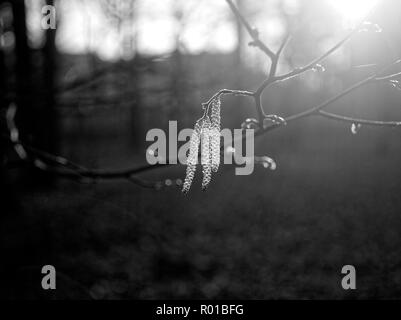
(215, 134)
(206, 134)
(206, 153)
(192, 159)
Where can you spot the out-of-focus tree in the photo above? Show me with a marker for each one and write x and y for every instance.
(122, 14)
(23, 69)
(2, 104)
(2, 64)
(48, 134)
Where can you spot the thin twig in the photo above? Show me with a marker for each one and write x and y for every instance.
(254, 33)
(227, 92)
(376, 123)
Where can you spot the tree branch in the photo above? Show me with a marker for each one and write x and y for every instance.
(254, 33)
(62, 167)
(67, 169)
(346, 119)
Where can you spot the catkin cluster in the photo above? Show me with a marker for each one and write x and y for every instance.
(206, 134)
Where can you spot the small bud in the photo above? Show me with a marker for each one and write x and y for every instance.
(230, 150)
(250, 124)
(255, 32)
(355, 128)
(396, 84)
(158, 185)
(153, 153)
(40, 164)
(266, 162)
(370, 27)
(273, 119)
(318, 68)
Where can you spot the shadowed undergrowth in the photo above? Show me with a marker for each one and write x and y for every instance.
(282, 234)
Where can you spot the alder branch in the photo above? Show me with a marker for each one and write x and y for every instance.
(273, 78)
(390, 77)
(84, 81)
(95, 76)
(319, 109)
(253, 32)
(311, 65)
(67, 169)
(228, 92)
(352, 120)
(275, 57)
(62, 167)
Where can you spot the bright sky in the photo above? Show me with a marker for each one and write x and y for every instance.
(86, 27)
(207, 25)
(353, 10)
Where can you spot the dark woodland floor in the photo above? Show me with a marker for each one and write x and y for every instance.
(283, 234)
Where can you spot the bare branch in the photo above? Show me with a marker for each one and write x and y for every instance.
(252, 32)
(84, 81)
(316, 61)
(286, 40)
(63, 167)
(318, 110)
(229, 92)
(346, 119)
(328, 102)
(390, 77)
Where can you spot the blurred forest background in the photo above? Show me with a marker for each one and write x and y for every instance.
(113, 69)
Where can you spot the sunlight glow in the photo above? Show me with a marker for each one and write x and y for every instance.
(353, 10)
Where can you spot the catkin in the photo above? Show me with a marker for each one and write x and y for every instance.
(206, 134)
(192, 159)
(215, 134)
(206, 153)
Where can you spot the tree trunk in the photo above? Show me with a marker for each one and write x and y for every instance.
(47, 134)
(23, 70)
